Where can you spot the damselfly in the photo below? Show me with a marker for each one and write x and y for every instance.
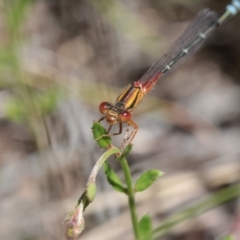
(184, 47)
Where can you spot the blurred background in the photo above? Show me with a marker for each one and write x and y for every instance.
(59, 60)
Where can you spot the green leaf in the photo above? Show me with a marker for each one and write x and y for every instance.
(145, 228)
(113, 179)
(91, 191)
(147, 179)
(125, 152)
(100, 135)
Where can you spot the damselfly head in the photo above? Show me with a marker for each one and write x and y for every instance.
(124, 116)
(114, 114)
(104, 107)
(112, 120)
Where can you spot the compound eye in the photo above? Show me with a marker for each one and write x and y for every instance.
(125, 116)
(104, 107)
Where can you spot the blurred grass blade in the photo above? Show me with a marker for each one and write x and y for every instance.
(199, 208)
(15, 14)
(227, 238)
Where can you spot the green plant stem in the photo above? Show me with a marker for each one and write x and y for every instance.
(130, 193)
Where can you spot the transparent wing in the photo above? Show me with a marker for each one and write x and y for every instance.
(204, 19)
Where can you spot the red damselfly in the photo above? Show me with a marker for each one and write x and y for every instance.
(184, 47)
